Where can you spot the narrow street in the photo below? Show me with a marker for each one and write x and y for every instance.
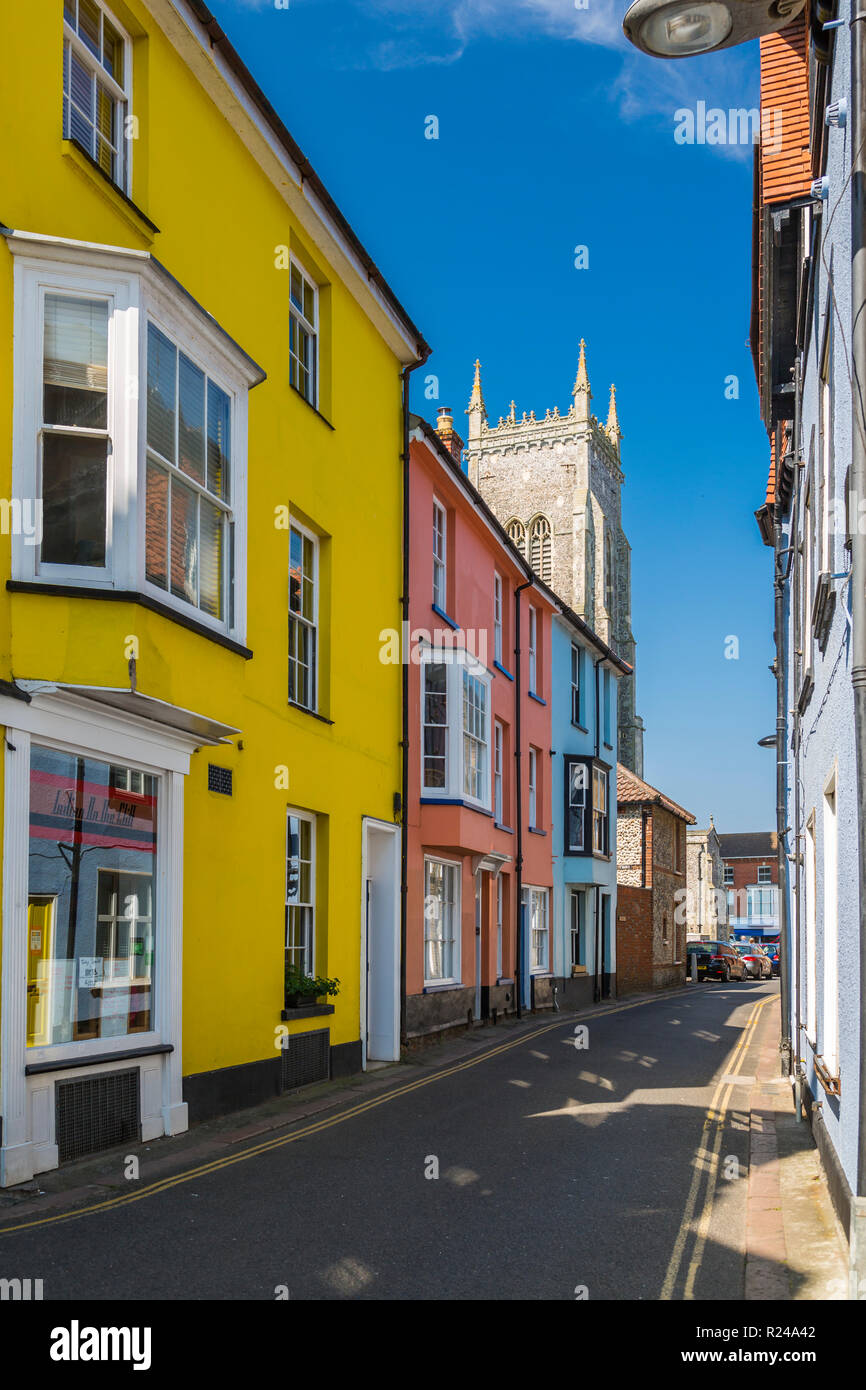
(560, 1169)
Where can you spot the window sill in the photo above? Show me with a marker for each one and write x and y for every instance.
(575, 725)
(534, 831)
(532, 695)
(165, 610)
(307, 1011)
(454, 801)
(292, 704)
(608, 745)
(503, 981)
(97, 1059)
(440, 988)
(84, 161)
(309, 404)
(502, 671)
(440, 613)
(506, 829)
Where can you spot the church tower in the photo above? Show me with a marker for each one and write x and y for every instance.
(555, 483)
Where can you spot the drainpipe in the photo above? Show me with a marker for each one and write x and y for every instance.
(598, 978)
(857, 490)
(781, 764)
(518, 764)
(404, 736)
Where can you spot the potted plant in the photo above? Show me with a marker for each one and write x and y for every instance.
(304, 989)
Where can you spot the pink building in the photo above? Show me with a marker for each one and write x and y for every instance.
(479, 801)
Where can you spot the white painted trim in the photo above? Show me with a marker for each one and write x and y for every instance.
(137, 290)
(15, 1155)
(453, 789)
(125, 89)
(368, 824)
(311, 818)
(457, 962)
(296, 525)
(61, 721)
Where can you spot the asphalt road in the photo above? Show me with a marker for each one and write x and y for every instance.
(559, 1170)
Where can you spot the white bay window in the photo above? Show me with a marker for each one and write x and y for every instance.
(456, 729)
(129, 434)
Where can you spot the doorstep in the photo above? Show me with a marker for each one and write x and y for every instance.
(795, 1247)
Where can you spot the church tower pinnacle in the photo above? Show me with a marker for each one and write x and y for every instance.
(612, 428)
(581, 392)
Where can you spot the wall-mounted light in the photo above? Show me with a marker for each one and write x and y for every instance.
(677, 29)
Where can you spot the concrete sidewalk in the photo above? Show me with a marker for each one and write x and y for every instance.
(795, 1247)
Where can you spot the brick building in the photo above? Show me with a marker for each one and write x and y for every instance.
(751, 878)
(651, 872)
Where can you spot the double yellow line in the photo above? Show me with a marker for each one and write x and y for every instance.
(269, 1145)
(707, 1161)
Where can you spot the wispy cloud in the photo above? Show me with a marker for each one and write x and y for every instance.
(390, 35)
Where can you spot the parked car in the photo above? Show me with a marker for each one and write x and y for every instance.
(756, 963)
(717, 960)
(699, 949)
(772, 954)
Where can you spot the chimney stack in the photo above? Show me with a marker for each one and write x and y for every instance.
(447, 433)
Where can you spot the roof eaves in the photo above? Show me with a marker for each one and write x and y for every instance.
(238, 67)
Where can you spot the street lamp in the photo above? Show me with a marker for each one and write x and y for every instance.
(768, 741)
(678, 29)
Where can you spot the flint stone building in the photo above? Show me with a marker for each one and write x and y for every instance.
(555, 483)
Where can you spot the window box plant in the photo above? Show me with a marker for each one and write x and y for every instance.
(302, 989)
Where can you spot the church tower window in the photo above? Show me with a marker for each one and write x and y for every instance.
(517, 535)
(540, 547)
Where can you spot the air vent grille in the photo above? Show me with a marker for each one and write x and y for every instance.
(96, 1112)
(305, 1058)
(219, 779)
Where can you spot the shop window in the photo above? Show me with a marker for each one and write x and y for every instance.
(91, 922)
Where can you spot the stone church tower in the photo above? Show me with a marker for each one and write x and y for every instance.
(555, 485)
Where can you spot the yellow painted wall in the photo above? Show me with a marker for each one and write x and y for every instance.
(220, 220)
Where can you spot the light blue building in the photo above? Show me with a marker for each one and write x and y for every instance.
(586, 675)
(808, 347)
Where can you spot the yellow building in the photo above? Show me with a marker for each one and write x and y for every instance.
(199, 549)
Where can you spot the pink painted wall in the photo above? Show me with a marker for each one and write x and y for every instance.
(458, 832)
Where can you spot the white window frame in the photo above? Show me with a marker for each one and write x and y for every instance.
(310, 818)
(533, 896)
(830, 925)
(533, 788)
(497, 617)
(440, 555)
(728, 876)
(533, 649)
(810, 883)
(456, 868)
(455, 663)
(137, 292)
(765, 875)
(601, 815)
(121, 93)
(498, 772)
(312, 624)
(576, 683)
(312, 328)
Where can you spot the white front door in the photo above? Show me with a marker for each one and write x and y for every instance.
(380, 978)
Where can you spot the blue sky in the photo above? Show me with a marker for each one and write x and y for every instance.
(554, 133)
